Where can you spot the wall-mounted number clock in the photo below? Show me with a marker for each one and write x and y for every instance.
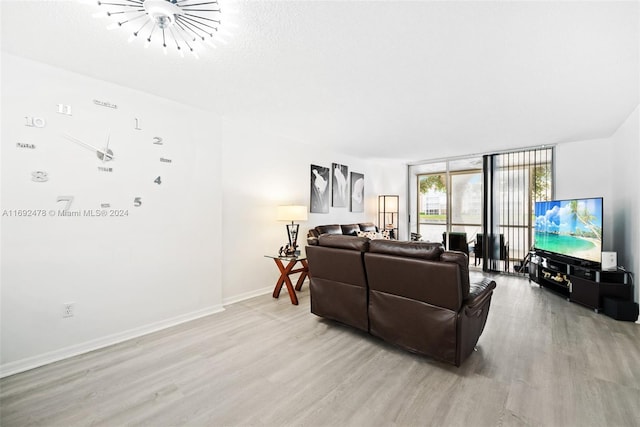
(95, 154)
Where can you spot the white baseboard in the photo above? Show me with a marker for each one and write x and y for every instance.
(252, 294)
(247, 295)
(98, 343)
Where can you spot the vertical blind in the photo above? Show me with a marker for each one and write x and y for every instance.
(513, 182)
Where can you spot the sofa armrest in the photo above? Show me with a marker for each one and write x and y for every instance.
(479, 293)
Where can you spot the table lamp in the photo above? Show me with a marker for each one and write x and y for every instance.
(387, 213)
(292, 213)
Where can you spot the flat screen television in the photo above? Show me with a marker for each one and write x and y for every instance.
(570, 228)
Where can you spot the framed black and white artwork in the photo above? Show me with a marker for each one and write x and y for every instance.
(319, 189)
(357, 192)
(339, 185)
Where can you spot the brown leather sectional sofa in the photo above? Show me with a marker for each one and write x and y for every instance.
(344, 229)
(412, 294)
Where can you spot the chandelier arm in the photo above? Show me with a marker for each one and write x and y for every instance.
(183, 38)
(143, 25)
(182, 1)
(192, 20)
(142, 15)
(120, 4)
(196, 17)
(175, 39)
(132, 19)
(197, 4)
(200, 10)
(189, 30)
(151, 32)
(191, 25)
(127, 11)
(202, 17)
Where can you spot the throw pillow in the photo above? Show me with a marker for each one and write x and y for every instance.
(374, 235)
(368, 234)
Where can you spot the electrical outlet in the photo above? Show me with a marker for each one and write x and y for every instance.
(68, 309)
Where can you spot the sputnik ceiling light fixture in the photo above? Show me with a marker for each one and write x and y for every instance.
(182, 24)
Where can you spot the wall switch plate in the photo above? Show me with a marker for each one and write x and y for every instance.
(68, 309)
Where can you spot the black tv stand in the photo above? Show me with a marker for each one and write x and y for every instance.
(582, 284)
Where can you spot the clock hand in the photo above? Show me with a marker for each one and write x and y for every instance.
(106, 153)
(106, 149)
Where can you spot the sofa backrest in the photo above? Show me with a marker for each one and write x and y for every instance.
(350, 229)
(329, 229)
(338, 280)
(338, 258)
(418, 270)
(340, 241)
(422, 250)
(367, 226)
(347, 229)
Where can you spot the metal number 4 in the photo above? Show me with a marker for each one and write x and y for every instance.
(39, 176)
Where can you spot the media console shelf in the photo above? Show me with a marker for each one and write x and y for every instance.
(583, 285)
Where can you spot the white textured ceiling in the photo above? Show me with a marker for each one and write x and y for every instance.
(403, 79)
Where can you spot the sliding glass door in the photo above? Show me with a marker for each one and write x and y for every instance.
(517, 180)
(432, 206)
(450, 201)
(459, 201)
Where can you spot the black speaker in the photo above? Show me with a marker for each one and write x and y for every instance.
(620, 309)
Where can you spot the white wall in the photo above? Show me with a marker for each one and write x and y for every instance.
(608, 168)
(158, 266)
(626, 194)
(198, 240)
(262, 171)
(584, 169)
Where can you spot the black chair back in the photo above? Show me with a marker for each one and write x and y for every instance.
(457, 242)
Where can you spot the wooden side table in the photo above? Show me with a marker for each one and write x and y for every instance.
(288, 270)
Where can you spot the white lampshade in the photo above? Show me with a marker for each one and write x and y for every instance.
(292, 213)
(388, 204)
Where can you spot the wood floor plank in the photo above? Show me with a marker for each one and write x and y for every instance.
(541, 361)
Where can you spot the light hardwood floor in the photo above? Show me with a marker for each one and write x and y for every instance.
(540, 361)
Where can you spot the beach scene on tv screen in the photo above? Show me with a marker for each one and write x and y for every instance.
(570, 227)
